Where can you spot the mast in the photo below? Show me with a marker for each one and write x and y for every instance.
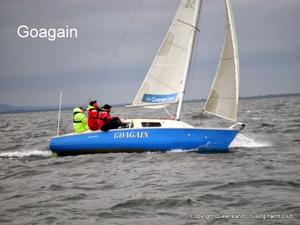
(189, 60)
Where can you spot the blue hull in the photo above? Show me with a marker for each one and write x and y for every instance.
(144, 139)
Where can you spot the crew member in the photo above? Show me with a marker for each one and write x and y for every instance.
(93, 115)
(106, 121)
(79, 120)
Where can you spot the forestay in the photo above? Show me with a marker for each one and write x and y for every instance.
(223, 97)
(166, 79)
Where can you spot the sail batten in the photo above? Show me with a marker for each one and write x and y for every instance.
(166, 77)
(186, 23)
(222, 100)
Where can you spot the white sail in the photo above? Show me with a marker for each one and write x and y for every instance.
(223, 97)
(166, 79)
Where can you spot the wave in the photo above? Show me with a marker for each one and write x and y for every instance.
(22, 154)
(257, 184)
(242, 141)
(154, 203)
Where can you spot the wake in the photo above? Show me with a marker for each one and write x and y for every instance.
(22, 154)
(247, 142)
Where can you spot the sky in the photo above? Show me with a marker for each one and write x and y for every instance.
(33, 71)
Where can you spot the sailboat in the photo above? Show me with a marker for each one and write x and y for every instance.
(165, 84)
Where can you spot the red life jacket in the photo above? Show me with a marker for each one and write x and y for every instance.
(104, 117)
(93, 119)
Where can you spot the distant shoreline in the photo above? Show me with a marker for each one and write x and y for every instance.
(5, 108)
(253, 97)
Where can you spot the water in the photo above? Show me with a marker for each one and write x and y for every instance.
(257, 182)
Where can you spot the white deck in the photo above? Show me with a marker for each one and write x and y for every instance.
(142, 123)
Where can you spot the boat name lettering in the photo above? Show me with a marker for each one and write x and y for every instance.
(131, 134)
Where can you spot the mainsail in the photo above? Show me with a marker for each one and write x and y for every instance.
(166, 79)
(223, 97)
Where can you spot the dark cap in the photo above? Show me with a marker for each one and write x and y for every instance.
(93, 102)
(106, 106)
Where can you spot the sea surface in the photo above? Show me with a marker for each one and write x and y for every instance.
(258, 182)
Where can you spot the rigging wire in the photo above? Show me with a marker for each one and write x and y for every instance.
(172, 117)
(138, 7)
(196, 63)
(116, 48)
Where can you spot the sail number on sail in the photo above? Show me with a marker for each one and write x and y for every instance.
(190, 4)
